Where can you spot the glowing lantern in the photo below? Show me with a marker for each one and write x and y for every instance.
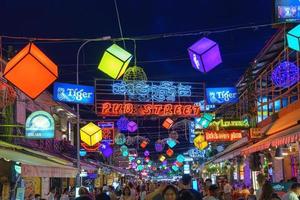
(144, 144)
(146, 153)
(180, 158)
(132, 126)
(122, 123)
(173, 135)
(114, 61)
(125, 153)
(168, 123)
(82, 152)
(171, 142)
(293, 38)
(170, 152)
(200, 142)
(162, 158)
(140, 167)
(205, 55)
(31, 71)
(285, 74)
(134, 165)
(205, 120)
(123, 148)
(147, 159)
(159, 146)
(106, 150)
(91, 134)
(178, 164)
(175, 168)
(120, 139)
(138, 161)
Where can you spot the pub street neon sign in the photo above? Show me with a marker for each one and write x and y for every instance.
(117, 109)
(151, 91)
(222, 136)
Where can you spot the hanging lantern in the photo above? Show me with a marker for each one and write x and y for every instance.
(171, 142)
(122, 123)
(144, 144)
(123, 148)
(175, 168)
(106, 150)
(91, 134)
(168, 123)
(285, 74)
(162, 158)
(7, 94)
(125, 153)
(173, 135)
(205, 120)
(82, 152)
(120, 139)
(140, 167)
(89, 148)
(159, 146)
(180, 158)
(114, 61)
(170, 152)
(134, 165)
(146, 153)
(129, 140)
(132, 126)
(200, 142)
(134, 73)
(31, 71)
(178, 164)
(205, 55)
(293, 38)
(147, 159)
(139, 161)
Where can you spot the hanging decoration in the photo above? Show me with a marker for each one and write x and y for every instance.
(171, 142)
(106, 149)
(123, 148)
(170, 152)
(180, 158)
(132, 126)
(146, 153)
(200, 142)
(7, 94)
(120, 139)
(162, 158)
(147, 159)
(89, 148)
(159, 146)
(134, 73)
(91, 134)
(82, 152)
(125, 153)
(144, 144)
(140, 167)
(204, 121)
(122, 123)
(168, 123)
(285, 74)
(205, 55)
(114, 61)
(31, 71)
(173, 135)
(293, 38)
(130, 140)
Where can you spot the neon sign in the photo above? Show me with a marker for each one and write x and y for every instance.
(107, 132)
(227, 124)
(222, 136)
(222, 95)
(117, 109)
(157, 92)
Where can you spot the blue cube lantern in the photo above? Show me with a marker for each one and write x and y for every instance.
(180, 158)
(171, 142)
(293, 38)
(205, 55)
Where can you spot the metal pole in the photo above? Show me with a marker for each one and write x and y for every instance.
(78, 182)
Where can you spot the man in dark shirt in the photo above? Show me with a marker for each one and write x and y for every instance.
(186, 189)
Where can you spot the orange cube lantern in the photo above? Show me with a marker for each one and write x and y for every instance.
(144, 144)
(170, 152)
(31, 71)
(168, 123)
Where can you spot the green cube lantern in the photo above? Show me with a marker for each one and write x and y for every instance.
(115, 61)
(293, 38)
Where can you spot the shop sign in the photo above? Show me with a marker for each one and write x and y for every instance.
(204, 106)
(117, 109)
(40, 125)
(222, 95)
(152, 91)
(255, 133)
(108, 130)
(221, 124)
(72, 93)
(222, 136)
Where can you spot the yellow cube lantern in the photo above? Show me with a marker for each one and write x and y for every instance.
(114, 61)
(91, 134)
(200, 142)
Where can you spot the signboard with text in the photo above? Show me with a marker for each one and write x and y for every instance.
(222, 95)
(229, 124)
(72, 93)
(222, 136)
(107, 132)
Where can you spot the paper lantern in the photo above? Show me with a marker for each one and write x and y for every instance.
(82, 152)
(175, 168)
(132, 126)
(114, 61)
(144, 144)
(180, 158)
(178, 164)
(89, 148)
(91, 134)
(205, 55)
(162, 158)
(106, 150)
(146, 153)
(122, 123)
(120, 139)
(200, 142)
(125, 153)
(285, 74)
(159, 146)
(173, 135)
(170, 152)
(140, 167)
(147, 159)
(293, 38)
(123, 148)
(134, 165)
(31, 71)
(138, 161)
(134, 73)
(168, 123)
(171, 142)
(205, 120)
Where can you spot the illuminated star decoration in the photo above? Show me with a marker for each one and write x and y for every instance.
(285, 74)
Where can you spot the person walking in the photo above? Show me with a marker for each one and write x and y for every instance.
(65, 195)
(293, 193)
(227, 191)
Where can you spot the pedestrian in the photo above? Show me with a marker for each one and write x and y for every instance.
(266, 192)
(126, 195)
(143, 192)
(83, 194)
(65, 195)
(102, 196)
(170, 193)
(132, 190)
(227, 191)
(186, 184)
(293, 193)
(251, 195)
(37, 197)
(244, 192)
(261, 179)
(51, 194)
(212, 193)
(111, 193)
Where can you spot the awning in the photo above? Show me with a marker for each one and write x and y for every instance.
(287, 136)
(43, 171)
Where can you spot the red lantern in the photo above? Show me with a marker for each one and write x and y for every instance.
(170, 152)
(144, 144)
(168, 123)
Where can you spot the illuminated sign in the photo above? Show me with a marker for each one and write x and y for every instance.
(152, 91)
(108, 130)
(73, 93)
(222, 136)
(222, 95)
(255, 133)
(229, 124)
(204, 106)
(40, 125)
(117, 109)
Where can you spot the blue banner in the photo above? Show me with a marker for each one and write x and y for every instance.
(73, 93)
(222, 95)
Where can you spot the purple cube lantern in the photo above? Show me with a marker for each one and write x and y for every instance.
(205, 55)
(132, 126)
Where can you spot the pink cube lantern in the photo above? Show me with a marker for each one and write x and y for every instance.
(132, 126)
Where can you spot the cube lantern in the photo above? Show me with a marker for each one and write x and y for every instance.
(170, 152)
(293, 38)
(144, 144)
(162, 158)
(171, 142)
(180, 158)
(205, 120)
(132, 126)
(205, 55)
(31, 71)
(91, 134)
(168, 123)
(175, 168)
(146, 153)
(178, 164)
(159, 146)
(114, 62)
